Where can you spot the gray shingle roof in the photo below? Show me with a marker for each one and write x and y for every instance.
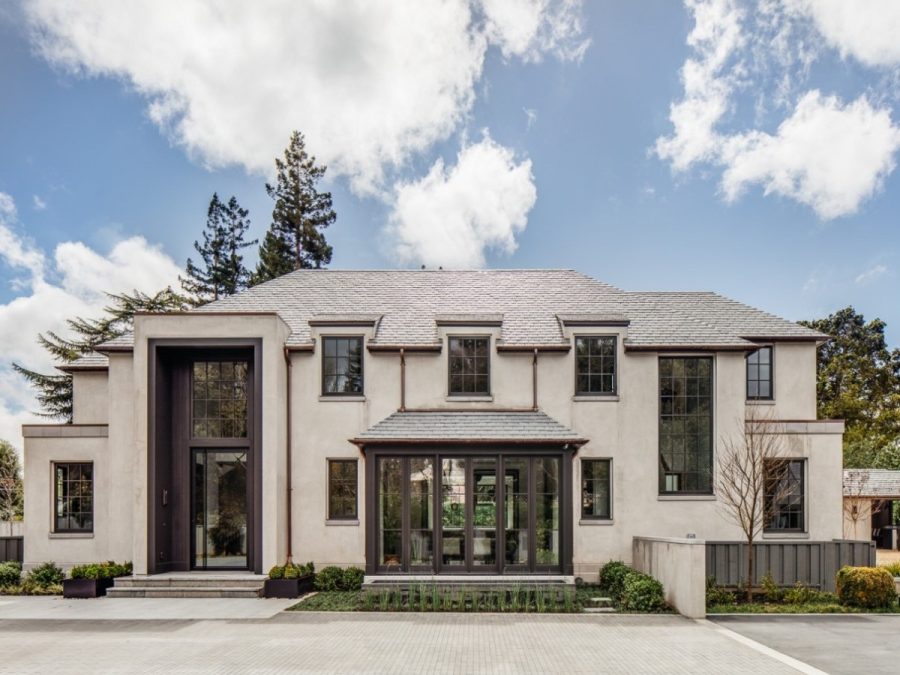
(530, 301)
(469, 426)
(871, 483)
(91, 361)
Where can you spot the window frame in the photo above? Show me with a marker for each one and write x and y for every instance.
(663, 475)
(767, 529)
(362, 366)
(205, 419)
(468, 394)
(771, 380)
(615, 360)
(56, 496)
(328, 514)
(609, 489)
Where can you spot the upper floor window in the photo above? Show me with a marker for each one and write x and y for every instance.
(73, 503)
(342, 365)
(470, 366)
(685, 425)
(784, 496)
(595, 365)
(759, 374)
(219, 399)
(596, 479)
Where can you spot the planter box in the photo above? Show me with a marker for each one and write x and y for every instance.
(288, 588)
(85, 588)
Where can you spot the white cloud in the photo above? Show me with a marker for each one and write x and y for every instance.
(829, 155)
(38, 203)
(453, 214)
(871, 274)
(370, 84)
(531, 116)
(71, 284)
(7, 205)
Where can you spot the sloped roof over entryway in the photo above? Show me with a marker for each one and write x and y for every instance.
(469, 427)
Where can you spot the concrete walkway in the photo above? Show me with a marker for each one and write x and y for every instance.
(119, 609)
(360, 642)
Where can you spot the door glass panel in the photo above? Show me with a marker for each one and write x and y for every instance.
(220, 509)
(515, 510)
(453, 512)
(546, 488)
(484, 527)
(421, 511)
(390, 512)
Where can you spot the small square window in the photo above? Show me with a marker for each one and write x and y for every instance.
(595, 365)
(469, 366)
(342, 489)
(596, 489)
(342, 366)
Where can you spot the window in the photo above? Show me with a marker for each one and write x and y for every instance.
(784, 495)
(342, 489)
(470, 366)
(685, 425)
(595, 365)
(759, 375)
(596, 480)
(342, 366)
(73, 509)
(219, 399)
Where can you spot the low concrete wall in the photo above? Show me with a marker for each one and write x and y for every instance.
(16, 528)
(679, 565)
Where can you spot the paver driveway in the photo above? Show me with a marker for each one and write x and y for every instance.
(413, 643)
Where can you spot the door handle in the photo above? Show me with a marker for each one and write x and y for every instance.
(165, 497)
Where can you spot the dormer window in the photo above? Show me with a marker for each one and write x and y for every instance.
(595, 365)
(759, 375)
(470, 366)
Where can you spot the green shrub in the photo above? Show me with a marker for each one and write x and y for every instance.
(330, 579)
(866, 587)
(772, 591)
(801, 594)
(612, 578)
(717, 595)
(353, 579)
(10, 574)
(642, 593)
(277, 572)
(307, 568)
(44, 576)
(893, 568)
(291, 572)
(106, 570)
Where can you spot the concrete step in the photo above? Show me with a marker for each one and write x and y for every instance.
(601, 602)
(182, 592)
(191, 581)
(599, 610)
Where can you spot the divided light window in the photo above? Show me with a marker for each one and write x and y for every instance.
(73, 504)
(784, 496)
(342, 366)
(596, 493)
(759, 375)
(470, 366)
(685, 425)
(342, 486)
(595, 365)
(219, 399)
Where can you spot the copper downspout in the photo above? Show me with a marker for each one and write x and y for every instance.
(402, 380)
(534, 403)
(288, 482)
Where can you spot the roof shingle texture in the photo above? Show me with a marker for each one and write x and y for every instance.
(410, 302)
(465, 426)
(871, 483)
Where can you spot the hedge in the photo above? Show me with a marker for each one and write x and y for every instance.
(868, 587)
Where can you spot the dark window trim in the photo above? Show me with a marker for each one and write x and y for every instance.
(771, 396)
(615, 373)
(790, 530)
(583, 515)
(70, 530)
(341, 460)
(469, 394)
(362, 366)
(712, 426)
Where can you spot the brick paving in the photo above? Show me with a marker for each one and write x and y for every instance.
(378, 643)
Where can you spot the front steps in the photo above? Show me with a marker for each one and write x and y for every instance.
(600, 606)
(189, 585)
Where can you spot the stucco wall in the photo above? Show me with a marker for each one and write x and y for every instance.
(90, 397)
(680, 566)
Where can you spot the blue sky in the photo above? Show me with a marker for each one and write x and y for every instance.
(557, 145)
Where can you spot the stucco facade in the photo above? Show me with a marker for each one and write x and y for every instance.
(112, 428)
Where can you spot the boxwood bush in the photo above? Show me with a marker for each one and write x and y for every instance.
(291, 571)
(10, 574)
(612, 578)
(870, 587)
(44, 576)
(105, 570)
(335, 578)
(642, 593)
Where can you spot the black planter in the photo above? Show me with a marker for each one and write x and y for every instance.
(85, 588)
(288, 588)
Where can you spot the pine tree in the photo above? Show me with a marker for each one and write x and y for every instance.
(300, 215)
(54, 391)
(222, 272)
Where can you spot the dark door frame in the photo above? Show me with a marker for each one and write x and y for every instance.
(168, 479)
(566, 455)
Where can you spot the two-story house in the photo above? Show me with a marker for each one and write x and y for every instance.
(424, 422)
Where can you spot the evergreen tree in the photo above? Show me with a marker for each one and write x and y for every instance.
(54, 391)
(11, 490)
(300, 215)
(222, 272)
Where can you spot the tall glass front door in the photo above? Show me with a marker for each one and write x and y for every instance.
(219, 537)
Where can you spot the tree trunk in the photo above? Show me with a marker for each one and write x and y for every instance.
(750, 570)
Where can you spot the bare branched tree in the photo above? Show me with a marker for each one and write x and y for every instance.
(858, 506)
(752, 478)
